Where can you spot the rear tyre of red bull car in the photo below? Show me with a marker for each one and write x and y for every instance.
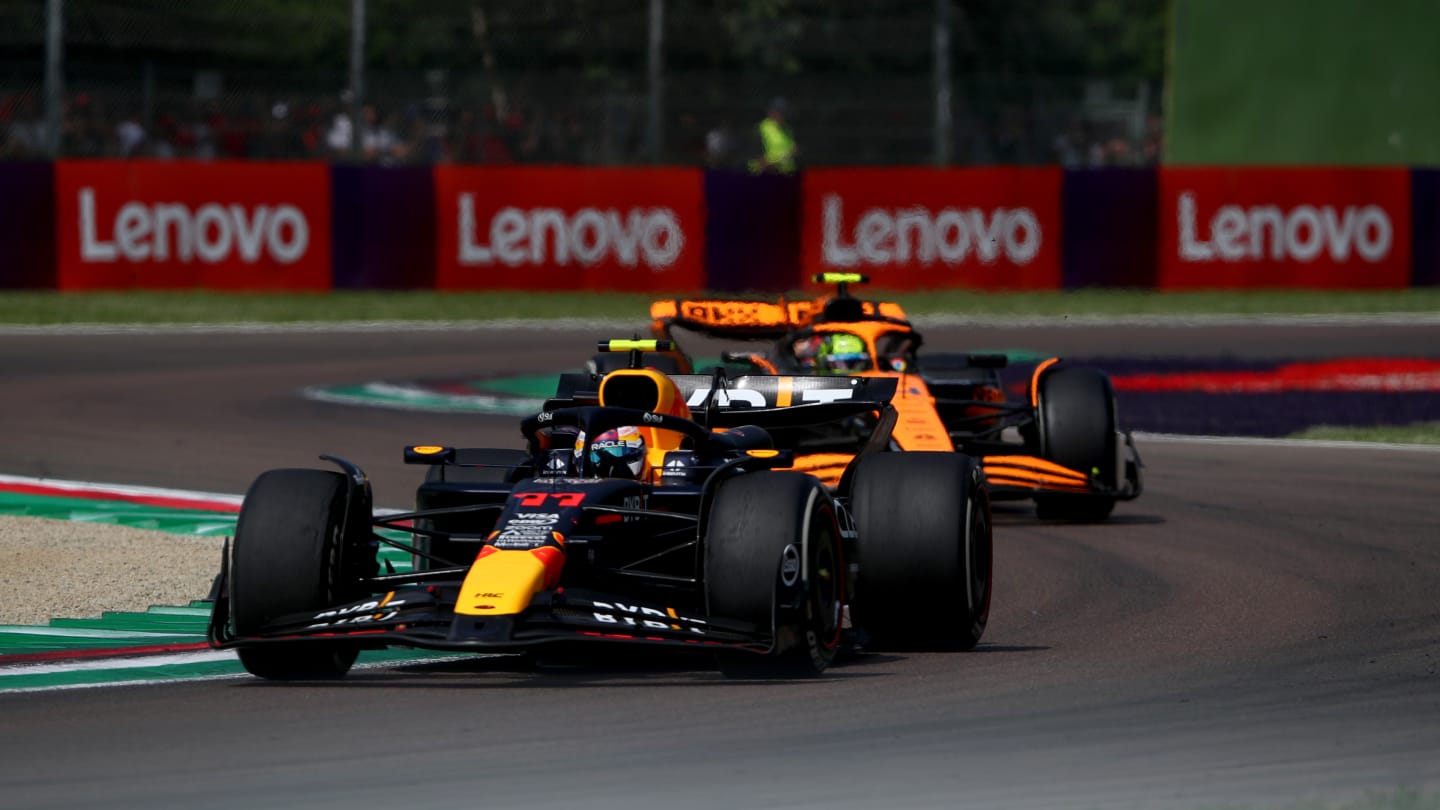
(772, 557)
(1077, 420)
(291, 553)
(924, 549)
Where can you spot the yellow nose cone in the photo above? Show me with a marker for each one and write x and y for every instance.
(501, 582)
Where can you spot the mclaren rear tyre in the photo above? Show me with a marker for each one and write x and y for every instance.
(924, 550)
(773, 558)
(290, 555)
(1077, 430)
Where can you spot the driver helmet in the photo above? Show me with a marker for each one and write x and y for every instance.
(842, 352)
(806, 348)
(618, 452)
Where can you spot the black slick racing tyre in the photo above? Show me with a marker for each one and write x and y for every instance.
(288, 557)
(924, 551)
(1077, 421)
(773, 558)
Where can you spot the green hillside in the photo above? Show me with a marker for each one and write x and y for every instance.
(1314, 82)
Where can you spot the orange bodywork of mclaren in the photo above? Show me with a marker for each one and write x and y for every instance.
(882, 325)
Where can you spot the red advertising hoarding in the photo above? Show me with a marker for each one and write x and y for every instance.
(917, 228)
(183, 225)
(1284, 227)
(569, 229)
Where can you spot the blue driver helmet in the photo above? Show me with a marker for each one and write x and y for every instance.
(618, 452)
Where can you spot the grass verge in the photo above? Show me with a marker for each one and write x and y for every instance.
(50, 307)
(1418, 433)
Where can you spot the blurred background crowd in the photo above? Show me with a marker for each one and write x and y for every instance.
(585, 82)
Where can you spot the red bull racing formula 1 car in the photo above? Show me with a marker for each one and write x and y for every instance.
(1060, 444)
(644, 509)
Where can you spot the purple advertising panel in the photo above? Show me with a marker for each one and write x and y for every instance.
(1425, 234)
(752, 232)
(383, 227)
(27, 225)
(1110, 228)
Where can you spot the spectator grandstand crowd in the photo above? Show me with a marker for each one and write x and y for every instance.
(243, 126)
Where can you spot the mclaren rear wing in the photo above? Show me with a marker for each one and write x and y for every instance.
(739, 319)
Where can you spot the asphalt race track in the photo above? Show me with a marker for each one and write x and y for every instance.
(1262, 625)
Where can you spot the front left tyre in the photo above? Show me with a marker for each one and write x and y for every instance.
(291, 554)
(1078, 430)
(773, 559)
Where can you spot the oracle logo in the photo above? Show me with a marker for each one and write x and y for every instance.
(1301, 233)
(951, 235)
(211, 233)
(536, 236)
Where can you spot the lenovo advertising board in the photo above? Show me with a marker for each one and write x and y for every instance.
(569, 229)
(182, 225)
(918, 228)
(1238, 228)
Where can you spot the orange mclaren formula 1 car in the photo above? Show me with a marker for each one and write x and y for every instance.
(644, 510)
(1059, 445)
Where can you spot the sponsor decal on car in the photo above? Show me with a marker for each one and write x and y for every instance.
(527, 530)
(640, 616)
(790, 565)
(746, 397)
(374, 610)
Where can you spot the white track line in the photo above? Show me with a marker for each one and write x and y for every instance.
(114, 684)
(178, 659)
(150, 636)
(415, 398)
(136, 662)
(122, 489)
